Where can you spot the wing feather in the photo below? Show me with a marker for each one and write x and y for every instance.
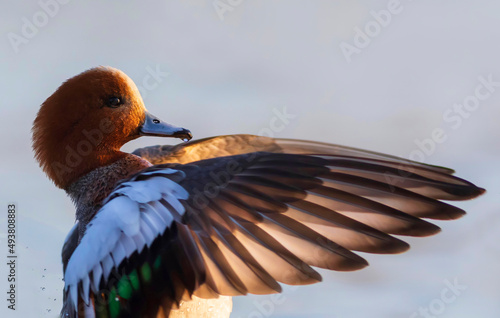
(253, 212)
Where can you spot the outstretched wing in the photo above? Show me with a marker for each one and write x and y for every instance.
(229, 145)
(245, 223)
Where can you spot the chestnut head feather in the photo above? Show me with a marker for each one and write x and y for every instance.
(85, 122)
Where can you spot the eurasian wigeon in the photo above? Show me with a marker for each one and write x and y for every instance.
(226, 215)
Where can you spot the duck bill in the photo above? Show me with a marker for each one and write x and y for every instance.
(153, 126)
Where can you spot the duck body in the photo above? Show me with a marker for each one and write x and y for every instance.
(176, 231)
(88, 194)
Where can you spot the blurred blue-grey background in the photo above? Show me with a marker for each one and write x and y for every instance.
(380, 75)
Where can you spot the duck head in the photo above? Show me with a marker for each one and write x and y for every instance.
(86, 121)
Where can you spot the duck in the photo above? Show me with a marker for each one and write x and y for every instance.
(176, 231)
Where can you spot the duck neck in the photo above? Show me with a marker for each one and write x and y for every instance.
(67, 167)
(89, 191)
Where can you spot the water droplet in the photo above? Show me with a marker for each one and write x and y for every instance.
(49, 310)
(42, 288)
(43, 276)
(185, 140)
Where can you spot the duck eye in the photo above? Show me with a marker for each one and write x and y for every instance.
(114, 102)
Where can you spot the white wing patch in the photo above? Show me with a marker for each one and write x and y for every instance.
(131, 218)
